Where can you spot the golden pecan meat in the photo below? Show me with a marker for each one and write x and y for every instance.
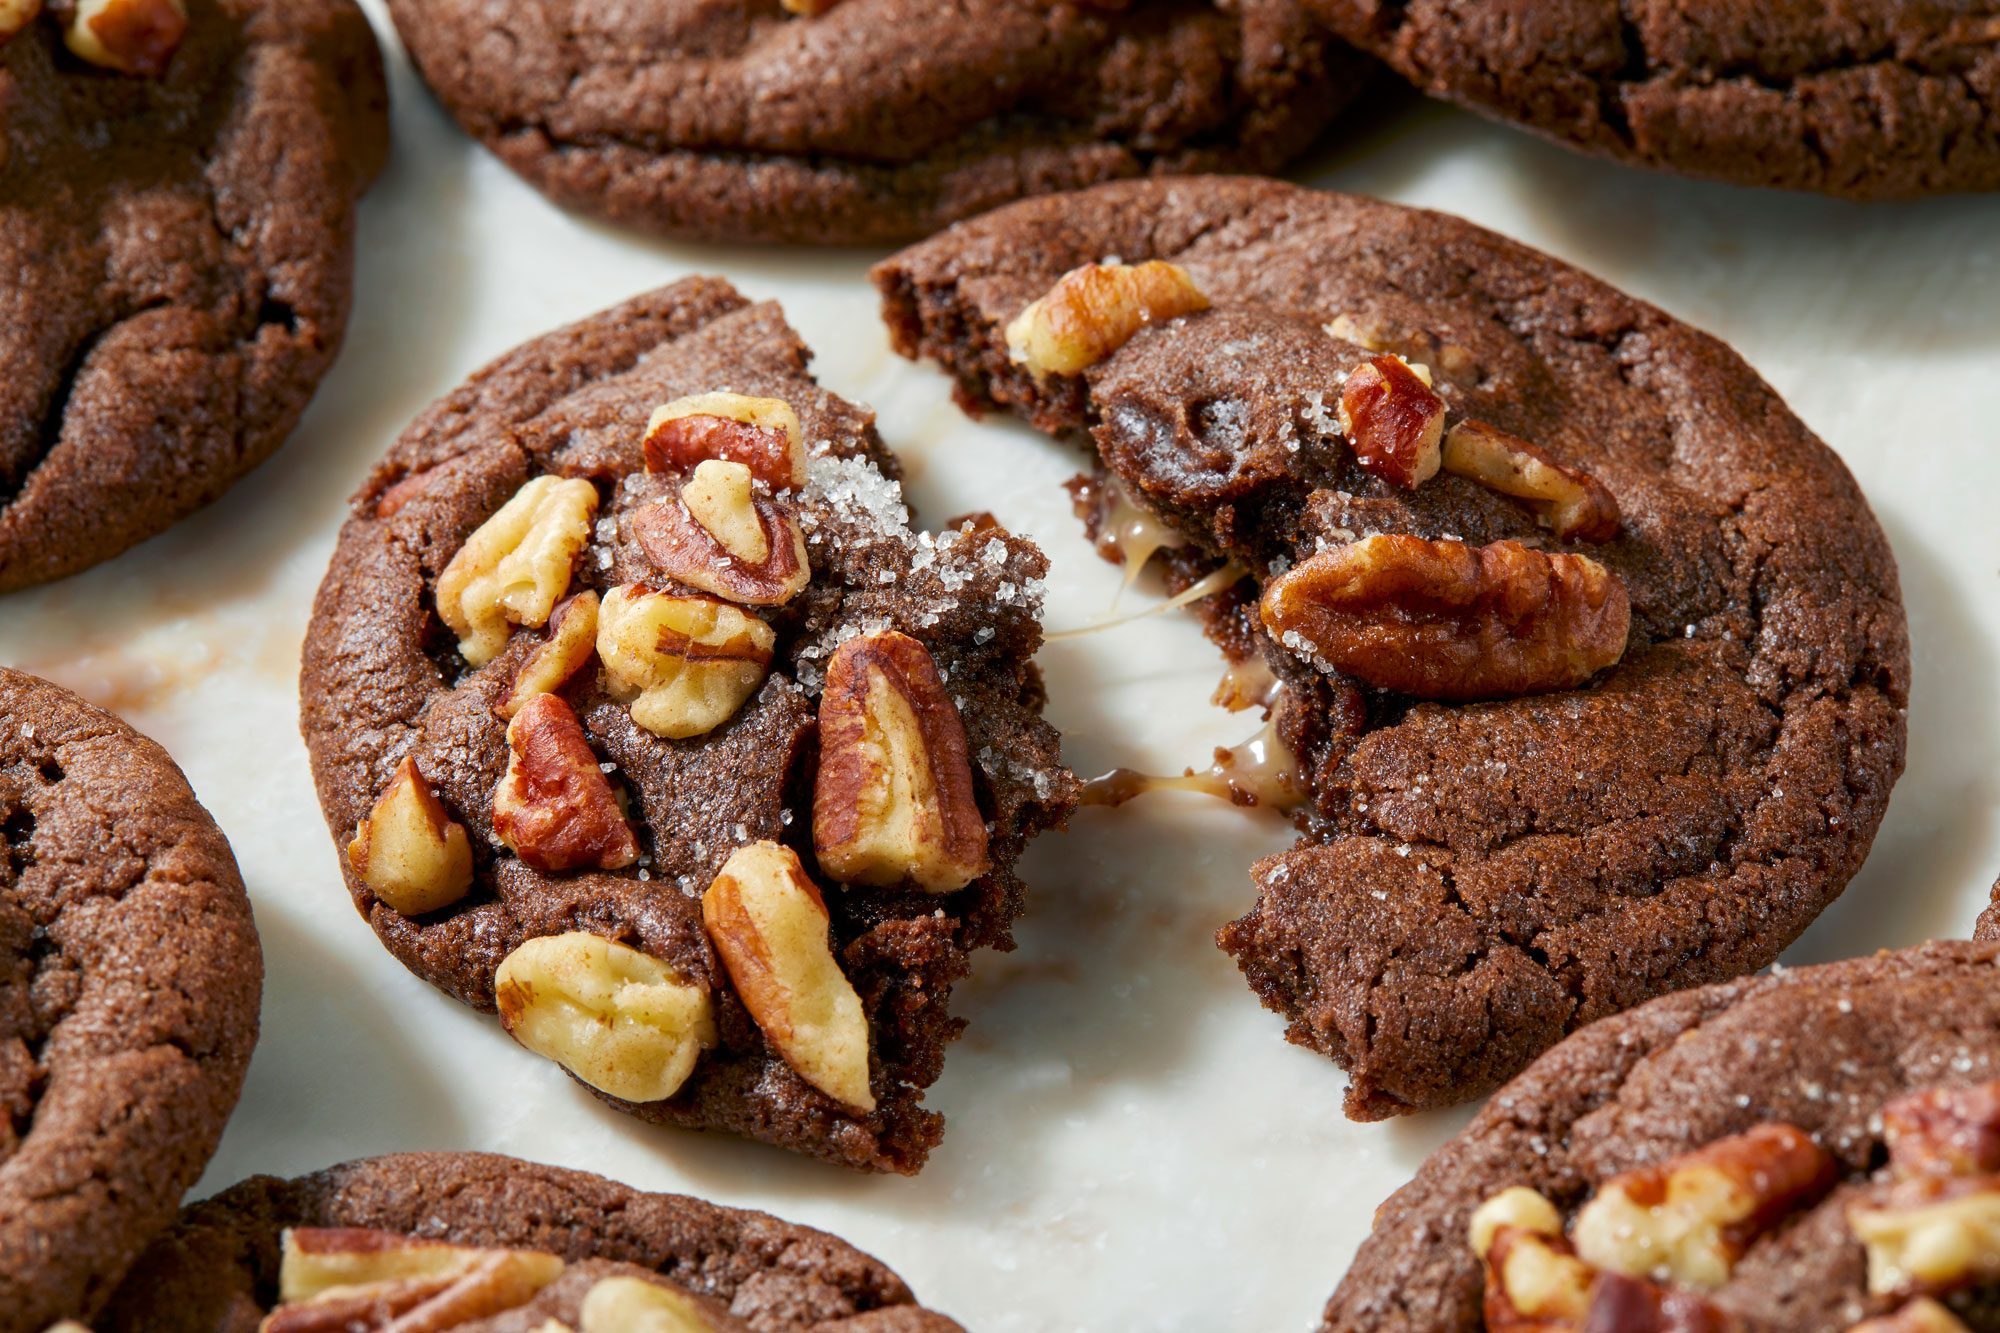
(634, 1305)
(1577, 506)
(684, 664)
(1393, 421)
(893, 800)
(339, 1279)
(770, 927)
(571, 642)
(516, 565)
(15, 16)
(1931, 1234)
(1094, 310)
(722, 537)
(1534, 1284)
(1922, 1315)
(409, 851)
(555, 808)
(1444, 620)
(1689, 1220)
(763, 434)
(130, 36)
(1944, 1131)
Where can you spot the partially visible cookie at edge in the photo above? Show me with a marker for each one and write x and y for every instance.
(631, 692)
(871, 121)
(519, 1243)
(129, 981)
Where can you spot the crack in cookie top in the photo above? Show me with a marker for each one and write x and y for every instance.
(645, 717)
(129, 979)
(1592, 657)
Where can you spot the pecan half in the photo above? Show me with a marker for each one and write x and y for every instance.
(1944, 1131)
(555, 808)
(515, 565)
(1393, 421)
(357, 1280)
(409, 851)
(684, 664)
(1576, 505)
(720, 536)
(1689, 1220)
(1444, 620)
(1094, 310)
(129, 36)
(771, 930)
(571, 641)
(763, 434)
(893, 800)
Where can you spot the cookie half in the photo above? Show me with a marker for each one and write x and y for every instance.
(591, 757)
(185, 239)
(870, 121)
(1877, 100)
(129, 981)
(1557, 753)
(508, 1244)
(1832, 1107)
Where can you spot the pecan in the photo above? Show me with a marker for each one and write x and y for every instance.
(1576, 505)
(1945, 1131)
(684, 664)
(1094, 310)
(1922, 1315)
(342, 1279)
(720, 536)
(763, 434)
(1689, 1220)
(515, 565)
(1534, 1283)
(1443, 620)
(129, 36)
(893, 800)
(15, 16)
(555, 808)
(1622, 1304)
(1931, 1234)
(618, 1019)
(1393, 421)
(808, 8)
(572, 638)
(634, 1305)
(770, 928)
(409, 851)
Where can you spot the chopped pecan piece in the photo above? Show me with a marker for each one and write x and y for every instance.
(1443, 620)
(685, 664)
(15, 16)
(1945, 1131)
(1393, 421)
(555, 808)
(1622, 1304)
(515, 565)
(1922, 1315)
(409, 851)
(763, 434)
(344, 1279)
(1931, 1234)
(893, 800)
(1094, 310)
(1577, 506)
(720, 536)
(129, 36)
(571, 641)
(1534, 1283)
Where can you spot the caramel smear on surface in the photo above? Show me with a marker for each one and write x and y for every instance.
(1262, 771)
(1136, 534)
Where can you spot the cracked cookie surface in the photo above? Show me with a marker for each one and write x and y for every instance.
(877, 120)
(382, 682)
(1475, 880)
(129, 983)
(217, 1270)
(1821, 1048)
(183, 247)
(1872, 100)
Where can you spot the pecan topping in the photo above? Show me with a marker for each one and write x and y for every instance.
(555, 808)
(1932, 1234)
(409, 851)
(1944, 1131)
(720, 536)
(684, 664)
(571, 641)
(354, 1280)
(1393, 421)
(1094, 310)
(515, 565)
(129, 36)
(763, 434)
(1922, 1315)
(15, 16)
(894, 800)
(1443, 620)
(1576, 505)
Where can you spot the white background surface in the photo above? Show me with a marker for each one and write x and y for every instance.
(1131, 1143)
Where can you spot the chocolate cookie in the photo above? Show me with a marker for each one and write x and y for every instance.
(1591, 659)
(870, 120)
(1880, 99)
(756, 669)
(534, 1244)
(1989, 920)
(183, 245)
(1824, 1108)
(129, 980)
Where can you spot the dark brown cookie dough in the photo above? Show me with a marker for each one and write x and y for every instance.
(879, 120)
(1879, 99)
(182, 256)
(216, 1272)
(1477, 879)
(129, 981)
(1820, 1048)
(382, 680)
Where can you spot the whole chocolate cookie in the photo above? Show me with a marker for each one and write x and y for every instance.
(534, 1244)
(182, 242)
(1596, 694)
(1872, 100)
(129, 981)
(1822, 1108)
(870, 120)
(755, 670)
